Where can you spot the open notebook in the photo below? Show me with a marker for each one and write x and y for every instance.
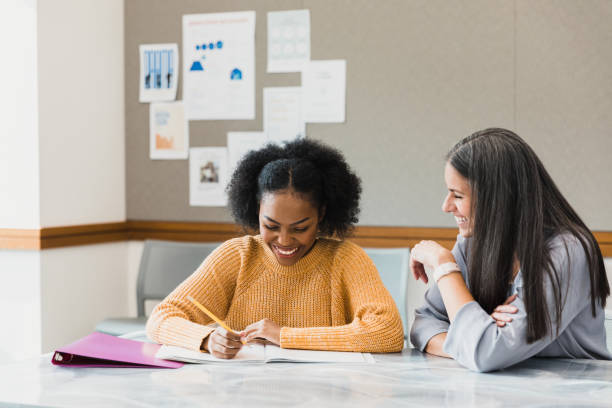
(259, 353)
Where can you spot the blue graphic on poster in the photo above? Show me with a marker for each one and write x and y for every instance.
(158, 73)
(159, 69)
(196, 65)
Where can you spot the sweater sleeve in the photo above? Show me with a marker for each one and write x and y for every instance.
(178, 322)
(375, 324)
(431, 318)
(476, 342)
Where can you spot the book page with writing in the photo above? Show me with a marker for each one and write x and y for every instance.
(277, 354)
(252, 353)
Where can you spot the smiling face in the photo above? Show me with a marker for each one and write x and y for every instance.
(288, 224)
(458, 201)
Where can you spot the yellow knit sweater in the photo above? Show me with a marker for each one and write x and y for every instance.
(331, 299)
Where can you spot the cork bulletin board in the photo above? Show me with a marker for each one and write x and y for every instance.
(420, 75)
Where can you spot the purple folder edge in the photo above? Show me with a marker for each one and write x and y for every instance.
(103, 350)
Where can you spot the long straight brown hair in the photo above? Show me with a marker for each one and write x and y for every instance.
(517, 209)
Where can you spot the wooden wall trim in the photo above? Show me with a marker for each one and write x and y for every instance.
(392, 237)
(604, 239)
(57, 237)
(367, 236)
(19, 238)
(384, 237)
(183, 231)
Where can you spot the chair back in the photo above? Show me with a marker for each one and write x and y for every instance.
(164, 265)
(393, 265)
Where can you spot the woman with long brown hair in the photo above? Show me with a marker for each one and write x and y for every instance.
(526, 276)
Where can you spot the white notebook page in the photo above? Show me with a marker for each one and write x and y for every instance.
(248, 354)
(258, 353)
(275, 353)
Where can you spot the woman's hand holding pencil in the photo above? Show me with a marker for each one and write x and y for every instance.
(224, 342)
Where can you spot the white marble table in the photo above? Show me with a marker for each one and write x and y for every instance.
(406, 379)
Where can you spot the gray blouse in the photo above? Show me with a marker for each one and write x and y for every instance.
(476, 342)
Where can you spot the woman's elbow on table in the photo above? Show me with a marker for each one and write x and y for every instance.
(486, 365)
(484, 356)
(396, 334)
(397, 343)
(386, 334)
(390, 338)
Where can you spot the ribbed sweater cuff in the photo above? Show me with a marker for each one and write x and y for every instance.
(315, 338)
(184, 333)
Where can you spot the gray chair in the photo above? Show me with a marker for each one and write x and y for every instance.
(393, 266)
(163, 266)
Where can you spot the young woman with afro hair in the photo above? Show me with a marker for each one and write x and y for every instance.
(297, 283)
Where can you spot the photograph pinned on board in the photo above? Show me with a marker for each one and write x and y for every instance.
(159, 71)
(209, 172)
(168, 131)
(208, 176)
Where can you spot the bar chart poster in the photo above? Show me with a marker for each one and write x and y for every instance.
(168, 131)
(159, 71)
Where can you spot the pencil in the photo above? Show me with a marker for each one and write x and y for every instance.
(212, 316)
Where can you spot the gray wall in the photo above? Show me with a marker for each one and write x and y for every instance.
(420, 75)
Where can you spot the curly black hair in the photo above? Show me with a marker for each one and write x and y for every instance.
(305, 166)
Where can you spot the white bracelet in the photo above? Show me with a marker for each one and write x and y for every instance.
(445, 269)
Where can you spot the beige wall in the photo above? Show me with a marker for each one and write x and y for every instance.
(82, 126)
(564, 97)
(20, 198)
(80, 287)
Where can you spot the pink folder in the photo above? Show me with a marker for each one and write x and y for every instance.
(103, 350)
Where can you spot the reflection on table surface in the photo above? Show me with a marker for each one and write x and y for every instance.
(409, 378)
